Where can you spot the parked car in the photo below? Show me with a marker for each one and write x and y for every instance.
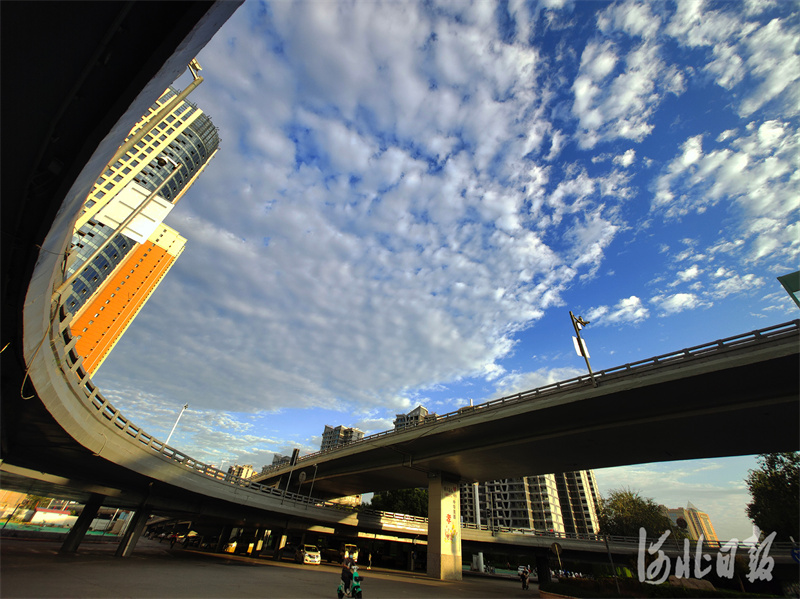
(307, 554)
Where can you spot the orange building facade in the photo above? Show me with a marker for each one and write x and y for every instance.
(105, 317)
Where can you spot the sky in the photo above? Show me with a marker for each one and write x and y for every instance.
(410, 197)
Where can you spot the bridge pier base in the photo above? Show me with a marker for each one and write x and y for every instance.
(543, 569)
(82, 524)
(444, 527)
(133, 532)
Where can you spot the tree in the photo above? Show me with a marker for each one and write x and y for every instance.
(404, 501)
(775, 489)
(31, 502)
(624, 511)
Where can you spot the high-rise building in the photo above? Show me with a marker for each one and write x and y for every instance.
(118, 261)
(340, 435)
(278, 460)
(244, 471)
(564, 502)
(181, 135)
(334, 437)
(696, 522)
(418, 415)
(101, 322)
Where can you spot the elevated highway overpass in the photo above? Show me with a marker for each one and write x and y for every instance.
(60, 436)
(716, 399)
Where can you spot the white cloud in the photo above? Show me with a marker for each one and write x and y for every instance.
(634, 18)
(755, 174)
(524, 381)
(623, 106)
(629, 310)
(404, 189)
(766, 52)
(690, 273)
(625, 159)
(677, 302)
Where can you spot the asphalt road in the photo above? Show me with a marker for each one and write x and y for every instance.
(32, 568)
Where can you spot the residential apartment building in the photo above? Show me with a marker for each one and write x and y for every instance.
(340, 435)
(418, 415)
(244, 471)
(563, 502)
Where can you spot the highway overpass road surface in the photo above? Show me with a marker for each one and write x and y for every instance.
(30, 568)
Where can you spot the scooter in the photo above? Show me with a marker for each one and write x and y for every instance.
(355, 586)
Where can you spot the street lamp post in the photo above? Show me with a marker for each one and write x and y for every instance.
(183, 409)
(580, 347)
(312, 485)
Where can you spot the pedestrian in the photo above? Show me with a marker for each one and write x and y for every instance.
(369, 561)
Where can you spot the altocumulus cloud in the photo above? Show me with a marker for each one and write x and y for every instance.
(386, 168)
(403, 189)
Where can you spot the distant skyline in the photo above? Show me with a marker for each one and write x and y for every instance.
(409, 198)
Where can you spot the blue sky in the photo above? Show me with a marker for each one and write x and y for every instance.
(410, 197)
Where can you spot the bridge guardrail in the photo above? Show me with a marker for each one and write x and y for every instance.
(71, 367)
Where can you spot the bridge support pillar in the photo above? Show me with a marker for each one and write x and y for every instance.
(133, 532)
(246, 536)
(81, 526)
(224, 537)
(444, 527)
(258, 542)
(543, 569)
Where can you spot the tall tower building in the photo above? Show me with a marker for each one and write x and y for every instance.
(116, 268)
(101, 322)
(697, 522)
(181, 135)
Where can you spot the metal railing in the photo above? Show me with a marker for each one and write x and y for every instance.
(71, 366)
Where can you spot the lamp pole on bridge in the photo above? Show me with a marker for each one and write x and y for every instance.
(183, 409)
(312, 485)
(580, 346)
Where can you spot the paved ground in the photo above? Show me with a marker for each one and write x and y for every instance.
(32, 568)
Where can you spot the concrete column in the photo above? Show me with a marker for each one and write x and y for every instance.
(279, 534)
(82, 524)
(444, 528)
(224, 537)
(246, 536)
(133, 532)
(543, 569)
(259, 532)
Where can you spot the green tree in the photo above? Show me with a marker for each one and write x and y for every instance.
(775, 489)
(403, 501)
(624, 511)
(31, 502)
